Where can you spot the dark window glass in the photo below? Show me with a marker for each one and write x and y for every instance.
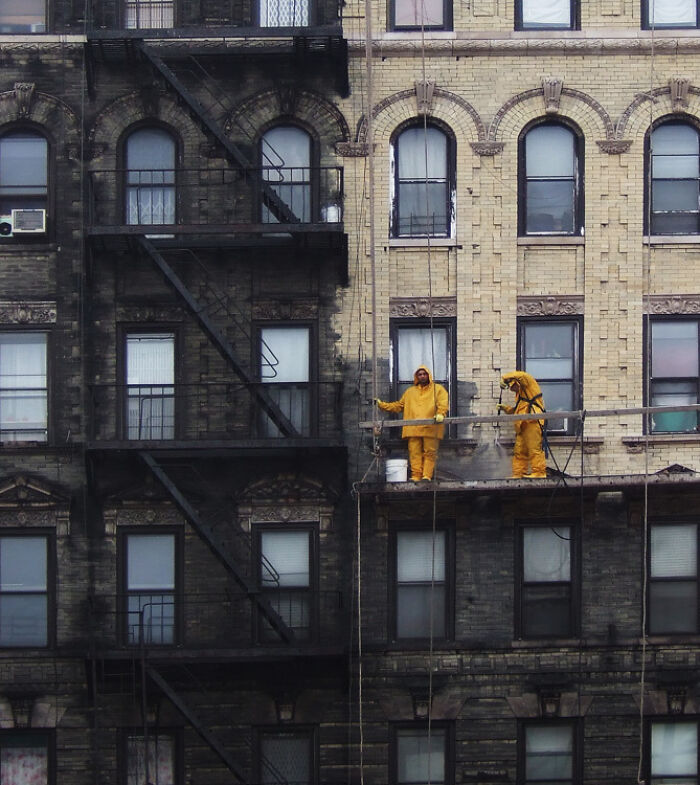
(549, 351)
(545, 15)
(546, 591)
(23, 591)
(22, 16)
(551, 183)
(674, 753)
(674, 373)
(286, 758)
(418, 344)
(23, 172)
(150, 587)
(675, 174)
(284, 13)
(23, 390)
(150, 378)
(419, 14)
(25, 759)
(160, 766)
(421, 756)
(421, 584)
(549, 754)
(144, 14)
(150, 186)
(670, 13)
(286, 162)
(423, 199)
(673, 583)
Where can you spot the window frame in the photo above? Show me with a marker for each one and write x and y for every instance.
(396, 528)
(652, 582)
(307, 732)
(450, 181)
(448, 731)
(261, 633)
(576, 725)
(47, 735)
(50, 541)
(577, 359)
(446, 26)
(647, 25)
(178, 750)
(649, 179)
(574, 17)
(579, 212)
(125, 593)
(126, 4)
(574, 583)
(649, 321)
(48, 389)
(37, 201)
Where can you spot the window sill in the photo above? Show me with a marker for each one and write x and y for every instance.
(672, 239)
(546, 643)
(552, 240)
(423, 242)
(663, 438)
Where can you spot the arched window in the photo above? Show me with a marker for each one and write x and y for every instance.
(285, 152)
(673, 157)
(423, 182)
(150, 177)
(551, 181)
(23, 171)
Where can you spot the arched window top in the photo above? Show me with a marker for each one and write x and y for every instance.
(285, 152)
(150, 177)
(674, 167)
(150, 148)
(551, 191)
(23, 170)
(286, 145)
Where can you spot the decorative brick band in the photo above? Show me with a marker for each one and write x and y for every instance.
(24, 312)
(421, 307)
(550, 306)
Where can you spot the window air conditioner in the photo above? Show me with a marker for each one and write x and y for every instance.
(28, 221)
(5, 226)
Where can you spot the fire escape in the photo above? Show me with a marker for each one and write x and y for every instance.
(180, 462)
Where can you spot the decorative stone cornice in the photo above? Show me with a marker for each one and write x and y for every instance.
(352, 149)
(614, 146)
(149, 313)
(673, 304)
(29, 493)
(26, 312)
(277, 310)
(550, 306)
(422, 307)
(487, 148)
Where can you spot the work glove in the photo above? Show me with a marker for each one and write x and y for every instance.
(378, 402)
(501, 407)
(503, 384)
(439, 417)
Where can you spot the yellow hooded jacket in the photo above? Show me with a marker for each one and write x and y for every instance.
(420, 403)
(529, 400)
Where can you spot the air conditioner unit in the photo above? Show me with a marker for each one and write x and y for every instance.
(29, 221)
(5, 226)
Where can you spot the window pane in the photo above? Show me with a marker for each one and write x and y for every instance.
(546, 13)
(549, 152)
(420, 757)
(284, 13)
(674, 349)
(284, 354)
(674, 551)
(23, 16)
(546, 554)
(157, 613)
(546, 611)
(150, 561)
(550, 206)
(675, 195)
(150, 159)
(161, 760)
(417, 608)
(24, 761)
(418, 13)
(23, 620)
(549, 754)
(286, 758)
(23, 164)
(420, 557)
(423, 346)
(673, 607)
(423, 209)
(674, 749)
(679, 13)
(150, 358)
(149, 14)
(286, 559)
(422, 154)
(549, 350)
(23, 564)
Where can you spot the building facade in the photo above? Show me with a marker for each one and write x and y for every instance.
(224, 229)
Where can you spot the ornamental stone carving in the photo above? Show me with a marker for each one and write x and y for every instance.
(352, 149)
(421, 307)
(679, 93)
(550, 306)
(551, 89)
(25, 312)
(286, 489)
(24, 96)
(425, 92)
(149, 313)
(487, 148)
(674, 304)
(277, 310)
(614, 146)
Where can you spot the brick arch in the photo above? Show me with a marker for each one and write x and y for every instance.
(635, 119)
(577, 106)
(401, 107)
(25, 105)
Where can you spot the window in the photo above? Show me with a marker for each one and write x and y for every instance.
(287, 758)
(544, 15)
(674, 153)
(285, 372)
(549, 754)
(150, 379)
(673, 578)
(421, 14)
(286, 162)
(143, 14)
(23, 391)
(422, 577)
(284, 13)
(22, 16)
(422, 755)
(287, 579)
(546, 599)
(674, 373)
(674, 753)
(23, 173)
(150, 578)
(551, 191)
(26, 758)
(669, 13)
(24, 601)
(161, 766)
(549, 350)
(150, 177)
(423, 165)
(414, 342)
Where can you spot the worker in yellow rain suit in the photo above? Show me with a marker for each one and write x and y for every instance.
(527, 451)
(426, 400)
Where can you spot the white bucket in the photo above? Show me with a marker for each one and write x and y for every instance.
(396, 470)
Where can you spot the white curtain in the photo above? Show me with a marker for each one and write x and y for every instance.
(421, 758)
(418, 13)
(549, 754)
(547, 554)
(24, 765)
(420, 557)
(284, 13)
(286, 561)
(672, 12)
(546, 13)
(674, 551)
(421, 346)
(674, 750)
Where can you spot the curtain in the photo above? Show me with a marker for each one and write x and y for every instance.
(416, 558)
(672, 12)
(150, 160)
(24, 765)
(674, 551)
(143, 14)
(286, 561)
(674, 749)
(161, 760)
(549, 754)
(546, 554)
(421, 758)
(546, 13)
(419, 13)
(420, 346)
(284, 13)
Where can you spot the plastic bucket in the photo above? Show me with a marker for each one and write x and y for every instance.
(396, 470)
